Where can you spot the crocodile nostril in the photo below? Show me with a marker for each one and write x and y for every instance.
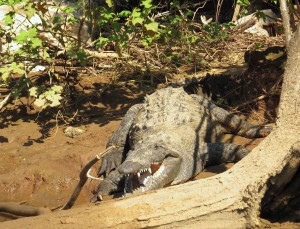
(130, 167)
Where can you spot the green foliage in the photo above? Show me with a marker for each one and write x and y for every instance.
(14, 68)
(137, 24)
(19, 87)
(46, 97)
(244, 3)
(25, 49)
(117, 27)
(79, 55)
(217, 32)
(180, 32)
(29, 43)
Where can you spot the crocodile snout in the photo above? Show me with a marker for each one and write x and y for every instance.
(128, 167)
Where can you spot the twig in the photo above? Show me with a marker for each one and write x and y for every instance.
(81, 23)
(59, 114)
(4, 101)
(101, 55)
(251, 101)
(92, 177)
(161, 14)
(200, 7)
(237, 9)
(83, 178)
(219, 6)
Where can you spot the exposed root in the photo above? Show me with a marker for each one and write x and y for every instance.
(22, 210)
(83, 176)
(92, 177)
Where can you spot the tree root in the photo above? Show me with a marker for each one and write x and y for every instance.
(26, 211)
(283, 197)
(83, 176)
(22, 210)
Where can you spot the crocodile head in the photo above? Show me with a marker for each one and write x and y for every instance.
(149, 168)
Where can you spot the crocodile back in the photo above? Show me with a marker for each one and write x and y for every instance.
(172, 116)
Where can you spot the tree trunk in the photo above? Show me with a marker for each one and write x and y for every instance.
(232, 199)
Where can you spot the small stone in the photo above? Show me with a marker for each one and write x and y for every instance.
(73, 131)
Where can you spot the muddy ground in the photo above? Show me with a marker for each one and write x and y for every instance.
(39, 164)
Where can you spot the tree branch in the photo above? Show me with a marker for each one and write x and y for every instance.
(286, 21)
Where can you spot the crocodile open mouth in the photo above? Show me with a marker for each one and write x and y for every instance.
(139, 181)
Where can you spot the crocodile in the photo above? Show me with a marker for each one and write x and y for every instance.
(167, 140)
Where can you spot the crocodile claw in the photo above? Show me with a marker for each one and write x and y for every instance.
(110, 162)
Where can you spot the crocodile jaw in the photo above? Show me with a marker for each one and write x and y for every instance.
(149, 168)
(144, 180)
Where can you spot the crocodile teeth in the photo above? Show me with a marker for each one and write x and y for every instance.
(150, 170)
(146, 180)
(138, 174)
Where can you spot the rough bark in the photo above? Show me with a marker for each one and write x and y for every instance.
(284, 199)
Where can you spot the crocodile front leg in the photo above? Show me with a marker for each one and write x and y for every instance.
(233, 122)
(113, 182)
(113, 159)
(218, 153)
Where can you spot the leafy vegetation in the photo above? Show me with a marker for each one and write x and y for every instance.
(37, 33)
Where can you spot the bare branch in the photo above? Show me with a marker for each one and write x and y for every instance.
(286, 21)
(219, 6)
(236, 12)
(4, 101)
